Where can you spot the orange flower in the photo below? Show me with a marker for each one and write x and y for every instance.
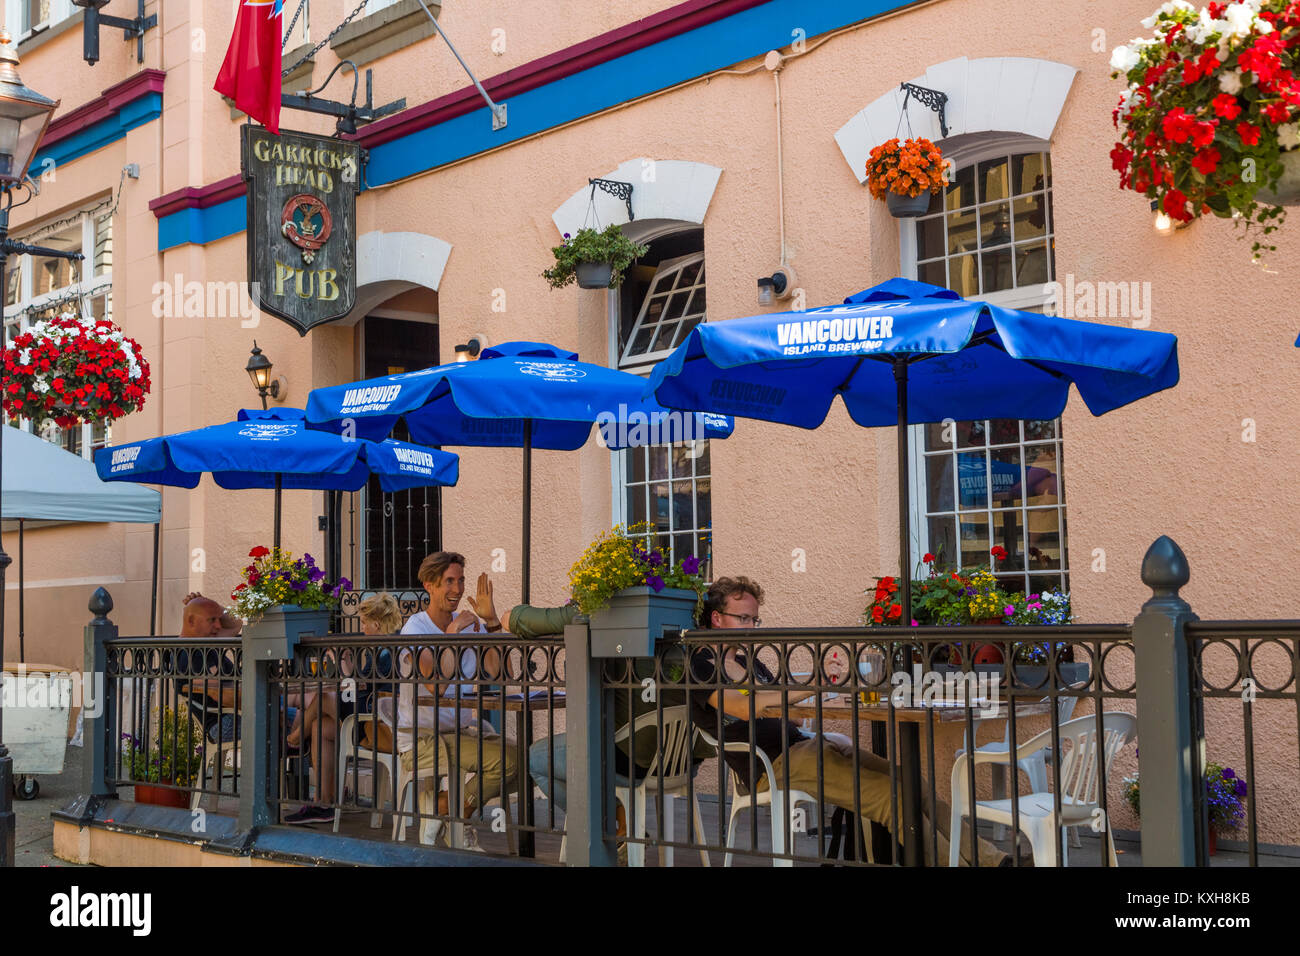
(910, 169)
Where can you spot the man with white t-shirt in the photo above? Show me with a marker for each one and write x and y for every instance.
(448, 737)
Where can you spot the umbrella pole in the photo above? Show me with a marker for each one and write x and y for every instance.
(526, 564)
(153, 588)
(279, 479)
(22, 614)
(904, 495)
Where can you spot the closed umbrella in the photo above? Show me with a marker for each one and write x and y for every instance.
(276, 449)
(517, 395)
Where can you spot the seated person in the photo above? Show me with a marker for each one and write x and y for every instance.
(322, 712)
(547, 757)
(450, 736)
(733, 603)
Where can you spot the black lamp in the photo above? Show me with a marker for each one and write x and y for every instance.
(259, 370)
(469, 350)
(131, 29)
(24, 115)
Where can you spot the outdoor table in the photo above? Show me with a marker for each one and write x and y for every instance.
(840, 707)
(515, 703)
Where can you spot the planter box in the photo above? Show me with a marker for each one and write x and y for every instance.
(636, 618)
(161, 796)
(276, 635)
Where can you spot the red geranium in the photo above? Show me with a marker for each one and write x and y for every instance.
(998, 552)
(74, 370)
(259, 552)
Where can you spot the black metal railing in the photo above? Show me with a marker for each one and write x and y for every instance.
(836, 717)
(175, 704)
(1257, 665)
(430, 731)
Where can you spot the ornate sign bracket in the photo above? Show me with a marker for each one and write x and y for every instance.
(927, 97)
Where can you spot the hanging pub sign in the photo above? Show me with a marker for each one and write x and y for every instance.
(302, 204)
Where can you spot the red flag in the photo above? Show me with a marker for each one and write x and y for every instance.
(250, 74)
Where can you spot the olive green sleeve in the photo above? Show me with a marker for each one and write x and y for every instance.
(529, 621)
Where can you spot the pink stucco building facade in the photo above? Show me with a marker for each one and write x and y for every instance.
(740, 162)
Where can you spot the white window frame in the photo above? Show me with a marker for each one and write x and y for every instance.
(990, 147)
(16, 17)
(85, 289)
(643, 365)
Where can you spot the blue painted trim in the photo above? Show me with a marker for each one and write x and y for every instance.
(100, 134)
(716, 46)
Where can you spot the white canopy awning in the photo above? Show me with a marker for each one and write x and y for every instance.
(44, 482)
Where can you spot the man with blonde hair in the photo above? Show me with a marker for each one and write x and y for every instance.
(451, 738)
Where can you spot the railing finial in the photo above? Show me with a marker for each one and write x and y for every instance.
(1164, 569)
(101, 605)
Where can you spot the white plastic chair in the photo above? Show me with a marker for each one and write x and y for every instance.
(1035, 765)
(674, 759)
(781, 802)
(1079, 786)
(351, 751)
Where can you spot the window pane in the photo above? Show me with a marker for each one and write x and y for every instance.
(13, 279)
(1027, 172)
(677, 305)
(636, 458)
(997, 271)
(975, 538)
(1031, 216)
(1006, 477)
(52, 273)
(995, 225)
(972, 478)
(963, 275)
(961, 232)
(103, 245)
(659, 505)
(683, 546)
(935, 273)
(702, 466)
(1031, 264)
(658, 462)
(943, 541)
(1041, 474)
(971, 434)
(703, 503)
(934, 436)
(1004, 431)
(1043, 525)
(665, 337)
(643, 337)
(993, 180)
(689, 274)
(1037, 430)
(938, 482)
(1038, 583)
(929, 238)
(636, 504)
(684, 329)
(1006, 532)
(961, 191)
(704, 551)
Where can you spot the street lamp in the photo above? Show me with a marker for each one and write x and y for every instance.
(24, 116)
(259, 370)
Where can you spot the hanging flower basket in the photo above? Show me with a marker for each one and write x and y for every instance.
(905, 175)
(74, 370)
(1210, 113)
(590, 256)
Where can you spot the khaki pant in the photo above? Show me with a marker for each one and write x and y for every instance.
(488, 772)
(873, 788)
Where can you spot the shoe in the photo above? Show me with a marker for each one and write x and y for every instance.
(311, 813)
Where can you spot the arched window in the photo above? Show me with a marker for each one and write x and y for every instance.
(668, 486)
(980, 484)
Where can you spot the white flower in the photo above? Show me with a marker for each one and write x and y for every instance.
(1230, 81)
(1263, 26)
(1288, 135)
(25, 357)
(1240, 19)
(40, 385)
(1124, 59)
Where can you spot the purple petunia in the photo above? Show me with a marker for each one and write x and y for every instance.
(298, 585)
(691, 564)
(655, 582)
(655, 559)
(308, 560)
(1229, 773)
(345, 584)
(315, 575)
(1240, 788)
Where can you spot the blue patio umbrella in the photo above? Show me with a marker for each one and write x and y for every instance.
(907, 352)
(275, 449)
(517, 395)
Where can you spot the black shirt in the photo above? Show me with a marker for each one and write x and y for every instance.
(768, 734)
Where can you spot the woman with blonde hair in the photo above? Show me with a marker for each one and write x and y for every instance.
(319, 721)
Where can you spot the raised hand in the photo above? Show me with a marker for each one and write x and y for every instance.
(482, 602)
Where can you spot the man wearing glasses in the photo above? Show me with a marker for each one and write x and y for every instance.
(733, 603)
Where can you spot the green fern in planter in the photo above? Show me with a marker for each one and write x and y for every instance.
(588, 245)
